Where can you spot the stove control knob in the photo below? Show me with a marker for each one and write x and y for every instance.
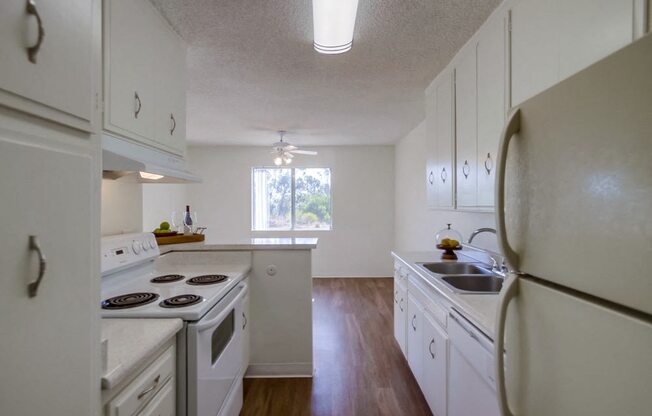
(152, 243)
(136, 247)
(145, 245)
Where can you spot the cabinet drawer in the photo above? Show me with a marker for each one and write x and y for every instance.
(164, 403)
(145, 386)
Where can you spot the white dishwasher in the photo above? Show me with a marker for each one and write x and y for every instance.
(472, 390)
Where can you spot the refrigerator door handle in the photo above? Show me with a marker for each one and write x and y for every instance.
(512, 127)
(508, 292)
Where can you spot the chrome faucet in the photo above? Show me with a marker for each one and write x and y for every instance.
(478, 231)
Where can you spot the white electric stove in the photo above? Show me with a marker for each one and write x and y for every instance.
(208, 291)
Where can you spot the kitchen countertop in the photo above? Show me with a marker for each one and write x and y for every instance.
(132, 343)
(245, 245)
(479, 309)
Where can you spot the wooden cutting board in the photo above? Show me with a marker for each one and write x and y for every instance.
(179, 239)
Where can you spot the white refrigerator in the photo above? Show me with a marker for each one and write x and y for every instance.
(574, 219)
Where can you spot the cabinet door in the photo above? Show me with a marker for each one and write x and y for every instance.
(534, 46)
(58, 85)
(400, 315)
(491, 105)
(435, 364)
(431, 150)
(245, 333)
(465, 123)
(170, 61)
(415, 337)
(48, 340)
(590, 30)
(552, 40)
(129, 74)
(444, 136)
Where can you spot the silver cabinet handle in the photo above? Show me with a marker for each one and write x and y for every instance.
(244, 317)
(488, 164)
(466, 169)
(508, 292)
(32, 51)
(511, 128)
(431, 178)
(32, 288)
(432, 342)
(400, 304)
(396, 297)
(138, 103)
(413, 319)
(174, 124)
(443, 175)
(150, 388)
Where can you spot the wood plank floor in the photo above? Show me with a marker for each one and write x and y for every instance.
(360, 369)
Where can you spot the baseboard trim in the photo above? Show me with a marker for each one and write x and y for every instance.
(285, 370)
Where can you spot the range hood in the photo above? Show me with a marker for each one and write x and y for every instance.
(130, 162)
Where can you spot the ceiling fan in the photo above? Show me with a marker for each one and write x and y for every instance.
(283, 152)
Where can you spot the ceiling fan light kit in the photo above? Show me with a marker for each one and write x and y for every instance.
(283, 152)
(333, 23)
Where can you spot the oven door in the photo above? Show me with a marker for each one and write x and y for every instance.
(215, 349)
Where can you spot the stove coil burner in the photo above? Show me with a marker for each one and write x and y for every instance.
(130, 300)
(208, 279)
(168, 278)
(181, 301)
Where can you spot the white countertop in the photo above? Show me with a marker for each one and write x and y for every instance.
(246, 244)
(479, 309)
(131, 343)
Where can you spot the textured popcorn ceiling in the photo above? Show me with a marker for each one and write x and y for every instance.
(252, 69)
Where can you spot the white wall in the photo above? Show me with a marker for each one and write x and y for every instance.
(159, 200)
(122, 204)
(363, 203)
(416, 224)
(134, 207)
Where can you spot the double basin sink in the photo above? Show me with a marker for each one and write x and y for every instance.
(473, 278)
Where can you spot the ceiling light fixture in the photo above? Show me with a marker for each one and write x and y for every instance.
(333, 22)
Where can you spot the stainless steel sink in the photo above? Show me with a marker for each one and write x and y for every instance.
(474, 283)
(455, 268)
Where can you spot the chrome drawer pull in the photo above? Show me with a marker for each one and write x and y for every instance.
(174, 124)
(431, 178)
(244, 317)
(414, 317)
(150, 388)
(432, 341)
(34, 245)
(466, 169)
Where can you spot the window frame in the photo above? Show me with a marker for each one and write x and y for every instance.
(292, 199)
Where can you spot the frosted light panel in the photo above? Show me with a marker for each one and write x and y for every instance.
(333, 21)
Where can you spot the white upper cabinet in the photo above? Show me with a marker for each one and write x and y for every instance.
(431, 144)
(444, 170)
(466, 126)
(56, 79)
(144, 75)
(552, 40)
(492, 104)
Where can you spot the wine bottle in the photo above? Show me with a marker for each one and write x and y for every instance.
(187, 221)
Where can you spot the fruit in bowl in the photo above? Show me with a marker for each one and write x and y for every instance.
(449, 243)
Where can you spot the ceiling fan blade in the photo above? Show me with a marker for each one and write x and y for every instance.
(304, 152)
(290, 147)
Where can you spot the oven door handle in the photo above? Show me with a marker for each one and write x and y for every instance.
(213, 322)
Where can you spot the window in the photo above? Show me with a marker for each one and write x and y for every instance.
(291, 199)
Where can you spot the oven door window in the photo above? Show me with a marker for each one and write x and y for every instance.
(222, 335)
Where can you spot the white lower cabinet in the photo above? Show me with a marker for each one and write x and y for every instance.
(415, 337)
(152, 392)
(163, 404)
(400, 314)
(472, 390)
(435, 365)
